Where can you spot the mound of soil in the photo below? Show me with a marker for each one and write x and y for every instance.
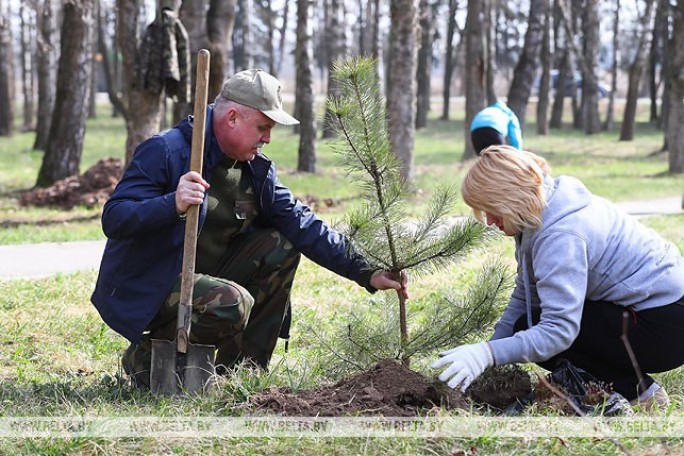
(387, 389)
(89, 189)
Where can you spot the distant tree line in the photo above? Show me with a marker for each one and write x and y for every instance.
(559, 51)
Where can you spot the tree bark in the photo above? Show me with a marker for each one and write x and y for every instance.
(609, 124)
(424, 71)
(636, 71)
(449, 59)
(675, 132)
(656, 60)
(590, 94)
(334, 42)
(546, 57)
(524, 73)
(46, 74)
(490, 49)
(474, 71)
(402, 87)
(65, 145)
(7, 99)
(304, 91)
(27, 65)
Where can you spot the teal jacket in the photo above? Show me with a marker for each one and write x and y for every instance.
(500, 117)
(144, 251)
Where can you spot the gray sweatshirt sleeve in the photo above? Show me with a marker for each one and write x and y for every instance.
(514, 310)
(560, 265)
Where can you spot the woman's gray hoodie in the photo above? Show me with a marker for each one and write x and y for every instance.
(587, 249)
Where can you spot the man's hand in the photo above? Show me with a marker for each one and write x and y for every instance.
(385, 280)
(467, 363)
(190, 191)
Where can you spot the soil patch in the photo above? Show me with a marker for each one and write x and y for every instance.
(89, 189)
(500, 387)
(387, 389)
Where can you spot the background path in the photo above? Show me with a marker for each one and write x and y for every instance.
(45, 259)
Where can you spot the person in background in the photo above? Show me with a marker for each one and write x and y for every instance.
(583, 265)
(495, 125)
(252, 233)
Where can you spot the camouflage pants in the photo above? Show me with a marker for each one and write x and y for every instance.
(241, 311)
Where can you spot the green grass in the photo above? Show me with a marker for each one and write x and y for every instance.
(57, 358)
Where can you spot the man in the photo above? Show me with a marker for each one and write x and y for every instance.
(493, 126)
(252, 230)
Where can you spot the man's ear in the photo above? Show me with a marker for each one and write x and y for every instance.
(231, 116)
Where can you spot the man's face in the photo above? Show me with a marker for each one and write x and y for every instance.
(242, 133)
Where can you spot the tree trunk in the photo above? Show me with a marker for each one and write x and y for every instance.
(675, 132)
(46, 39)
(610, 114)
(561, 62)
(655, 61)
(474, 71)
(246, 10)
(545, 81)
(490, 50)
(424, 72)
(282, 42)
(304, 91)
(334, 38)
(449, 59)
(524, 73)
(6, 72)
(209, 24)
(27, 63)
(636, 70)
(65, 145)
(402, 71)
(590, 94)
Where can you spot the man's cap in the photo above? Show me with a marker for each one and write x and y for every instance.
(259, 90)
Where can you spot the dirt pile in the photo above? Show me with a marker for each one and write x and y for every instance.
(387, 389)
(89, 189)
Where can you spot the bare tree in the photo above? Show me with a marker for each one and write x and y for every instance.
(656, 58)
(282, 41)
(209, 24)
(65, 144)
(243, 42)
(490, 8)
(609, 124)
(401, 101)
(524, 73)
(6, 72)
(636, 70)
(449, 58)
(27, 33)
(335, 49)
(474, 71)
(675, 132)
(46, 40)
(546, 57)
(590, 93)
(304, 91)
(427, 15)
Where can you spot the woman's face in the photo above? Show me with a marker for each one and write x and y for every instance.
(498, 221)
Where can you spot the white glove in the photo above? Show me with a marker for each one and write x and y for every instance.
(467, 363)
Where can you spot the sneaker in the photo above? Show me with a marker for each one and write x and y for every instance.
(657, 401)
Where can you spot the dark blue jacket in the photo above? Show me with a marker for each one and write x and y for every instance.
(144, 251)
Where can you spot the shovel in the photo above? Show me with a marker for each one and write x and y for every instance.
(179, 366)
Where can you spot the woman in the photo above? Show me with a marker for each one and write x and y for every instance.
(581, 264)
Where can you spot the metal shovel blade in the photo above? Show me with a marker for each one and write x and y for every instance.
(181, 373)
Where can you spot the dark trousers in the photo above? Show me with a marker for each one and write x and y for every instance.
(655, 335)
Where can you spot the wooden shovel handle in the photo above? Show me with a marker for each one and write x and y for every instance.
(192, 220)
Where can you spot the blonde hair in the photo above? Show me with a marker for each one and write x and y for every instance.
(509, 183)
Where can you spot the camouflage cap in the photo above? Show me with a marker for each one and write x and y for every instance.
(259, 90)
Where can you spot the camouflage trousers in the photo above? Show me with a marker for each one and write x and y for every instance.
(240, 308)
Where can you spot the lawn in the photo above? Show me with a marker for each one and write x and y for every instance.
(57, 358)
